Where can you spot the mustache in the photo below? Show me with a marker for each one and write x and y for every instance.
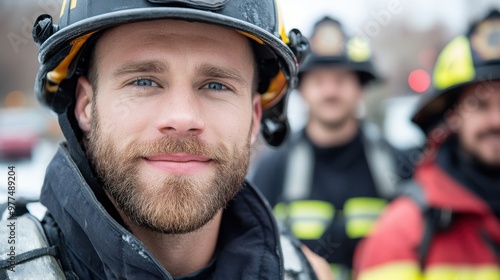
(490, 132)
(331, 100)
(174, 145)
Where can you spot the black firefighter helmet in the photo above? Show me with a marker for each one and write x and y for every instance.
(467, 59)
(331, 47)
(64, 48)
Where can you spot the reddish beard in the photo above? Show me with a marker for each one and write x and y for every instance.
(171, 204)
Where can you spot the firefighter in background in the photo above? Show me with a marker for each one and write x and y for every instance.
(332, 179)
(447, 225)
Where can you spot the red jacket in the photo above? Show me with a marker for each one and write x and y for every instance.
(460, 252)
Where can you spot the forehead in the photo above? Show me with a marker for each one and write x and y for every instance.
(482, 90)
(329, 71)
(171, 35)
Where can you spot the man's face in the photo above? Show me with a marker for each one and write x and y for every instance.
(477, 122)
(171, 120)
(332, 95)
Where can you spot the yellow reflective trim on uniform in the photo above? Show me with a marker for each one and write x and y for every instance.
(340, 271)
(462, 272)
(358, 49)
(308, 230)
(403, 270)
(361, 214)
(454, 65)
(63, 7)
(307, 219)
(364, 205)
(60, 73)
(359, 228)
(311, 208)
(73, 4)
(281, 210)
(281, 25)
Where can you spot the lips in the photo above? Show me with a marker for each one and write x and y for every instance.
(178, 163)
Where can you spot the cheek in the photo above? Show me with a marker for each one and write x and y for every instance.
(122, 120)
(312, 94)
(228, 125)
(352, 93)
(470, 126)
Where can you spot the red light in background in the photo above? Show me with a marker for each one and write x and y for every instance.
(419, 80)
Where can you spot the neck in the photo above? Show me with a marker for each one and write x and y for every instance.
(181, 254)
(324, 136)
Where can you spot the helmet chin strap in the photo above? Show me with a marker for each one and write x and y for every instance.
(275, 125)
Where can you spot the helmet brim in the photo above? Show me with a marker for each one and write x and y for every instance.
(432, 107)
(60, 39)
(364, 70)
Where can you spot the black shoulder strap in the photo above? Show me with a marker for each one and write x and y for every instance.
(29, 253)
(435, 219)
(53, 235)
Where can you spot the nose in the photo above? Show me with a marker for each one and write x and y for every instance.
(180, 114)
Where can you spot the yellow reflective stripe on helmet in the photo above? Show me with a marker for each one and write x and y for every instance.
(358, 49)
(361, 214)
(56, 76)
(253, 37)
(402, 270)
(72, 5)
(63, 7)
(307, 219)
(276, 86)
(454, 65)
(462, 272)
(281, 26)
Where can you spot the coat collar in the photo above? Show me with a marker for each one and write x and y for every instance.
(248, 242)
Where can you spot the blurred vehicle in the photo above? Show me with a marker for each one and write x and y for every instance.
(20, 131)
(24, 145)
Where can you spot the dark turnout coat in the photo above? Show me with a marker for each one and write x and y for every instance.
(95, 245)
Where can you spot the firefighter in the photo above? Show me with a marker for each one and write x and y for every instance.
(333, 178)
(159, 102)
(446, 226)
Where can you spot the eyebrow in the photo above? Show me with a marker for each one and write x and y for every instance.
(148, 66)
(212, 71)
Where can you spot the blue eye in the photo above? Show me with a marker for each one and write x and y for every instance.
(145, 83)
(215, 86)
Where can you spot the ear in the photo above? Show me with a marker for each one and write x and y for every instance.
(83, 108)
(256, 116)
